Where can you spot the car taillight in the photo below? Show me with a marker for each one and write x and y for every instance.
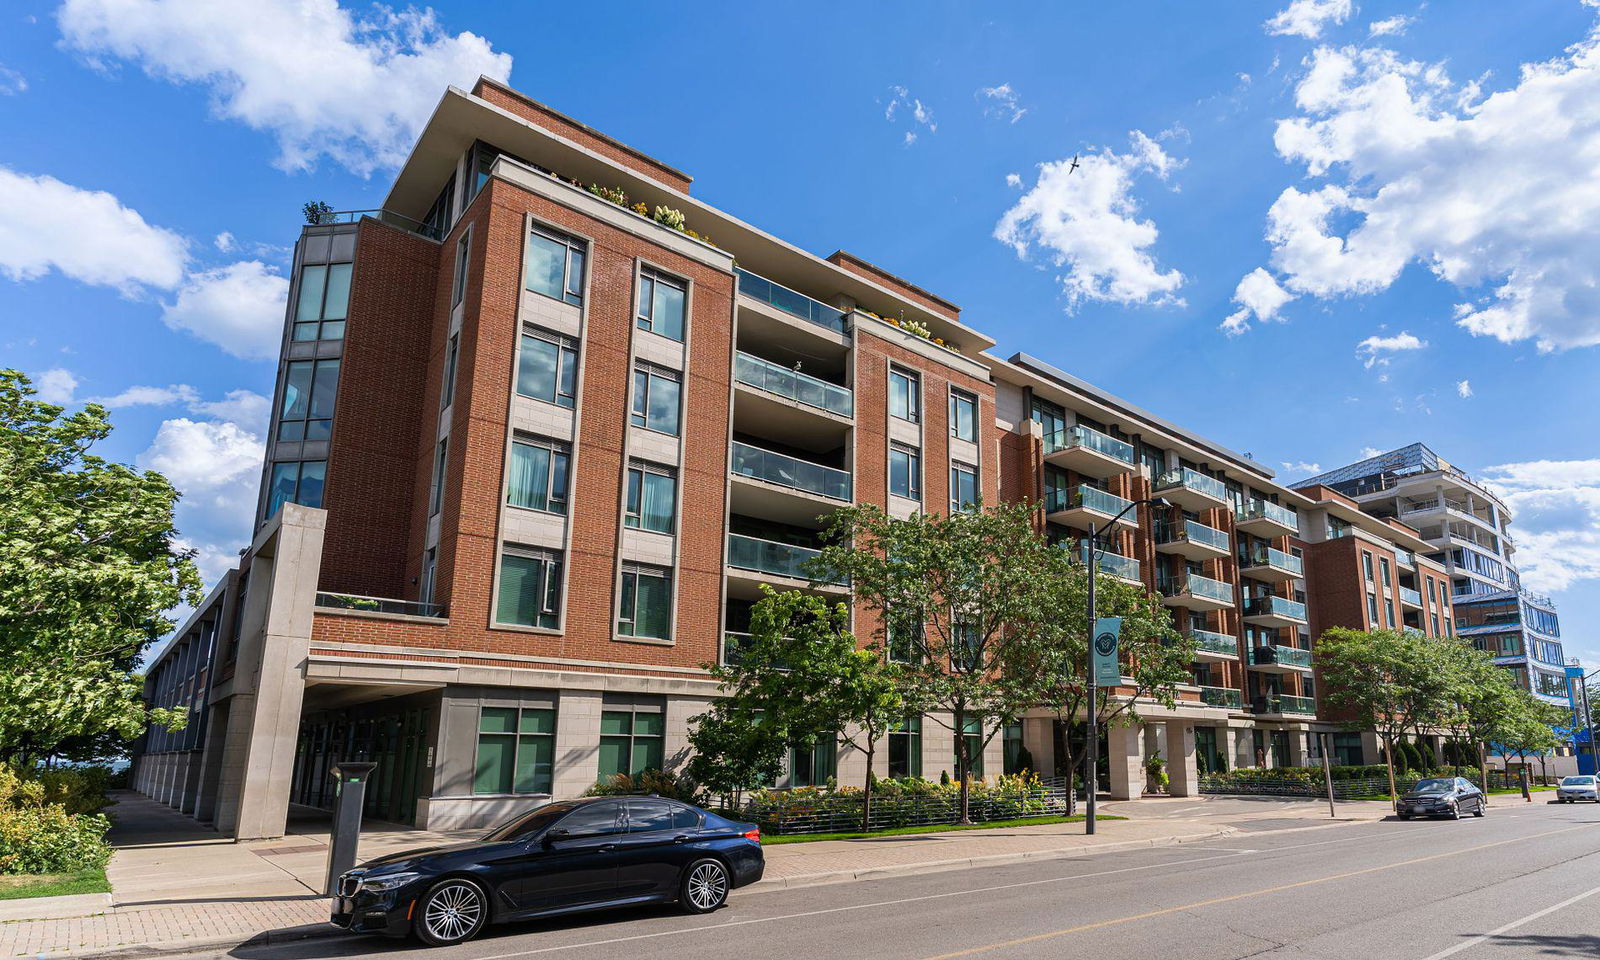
(754, 835)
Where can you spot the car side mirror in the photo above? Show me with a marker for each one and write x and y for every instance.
(551, 836)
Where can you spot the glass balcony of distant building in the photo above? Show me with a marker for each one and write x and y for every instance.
(1088, 451)
(1266, 519)
(1270, 565)
(1195, 592)
(1191, 489)
(1191, 540)
(1277, 658)
(1274, 612)
(1082, 505)
(1210, 645)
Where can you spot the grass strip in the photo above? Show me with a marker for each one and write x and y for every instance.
(24, 886)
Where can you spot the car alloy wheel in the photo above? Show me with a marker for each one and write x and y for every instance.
(705, 886)
(452, 912)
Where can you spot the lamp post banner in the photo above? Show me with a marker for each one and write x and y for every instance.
(1103, 651)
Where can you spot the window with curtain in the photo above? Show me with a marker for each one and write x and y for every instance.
(554, 265)
(661, 305)
(295, 482)
(547, 367)
(310, 388)
(963, 416)
(645, 607)
(657, 394)
(905, 400)
(516, 750)
(905, 472)
(811, 765)
(905, 748)
(631, 740)
(538, 475)
(652, 497)
(323, 302)
(963, 487)
(530, 588)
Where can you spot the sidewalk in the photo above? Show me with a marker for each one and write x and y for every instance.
(179, 887)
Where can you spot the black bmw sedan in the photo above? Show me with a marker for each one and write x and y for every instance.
(1442, 797)
(563, 857)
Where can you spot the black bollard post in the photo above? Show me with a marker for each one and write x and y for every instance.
(350, 792)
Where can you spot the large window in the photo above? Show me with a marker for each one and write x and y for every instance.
(547, 367)
(452, 351)
(296, 482)
(1383, 565)
(441, 459)
(972, 732)
(905, 748)
(324, 302)
(555, 266)
(963, 416)
(458, 289)
(310, 388)
(1366, 565)
(963, 487)
(530, 588)
(661, 305)
(645, 609)
(1372, 609)
(905, 395)
(631, 741)
(652, 497)
(813, 764)
(538, 478)
(1346, 749)
(1011, 749)
(516, 750)
(905, 641)
(1388, 613)
(657, 393)
(905, 472)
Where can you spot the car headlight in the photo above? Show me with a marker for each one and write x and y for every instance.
(387, 881)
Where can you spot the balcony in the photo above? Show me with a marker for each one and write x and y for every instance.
(1410, 598)
(1273, 566)
(795, 304)
(769, 377)
(779, 487)
(752, 555)
(1195, 592)
(1082, 505)
(732, 643)
(1191, 489)
(1088, 452)
(1276, 658)
(1266, 519)
(1191, 540)
(1405, 559)
(1222, 697)
(1274, 612)
(1116, 565)
(382, 606)
(1209, 645)
(1281, 704)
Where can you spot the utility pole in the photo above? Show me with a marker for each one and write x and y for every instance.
(1092, 749)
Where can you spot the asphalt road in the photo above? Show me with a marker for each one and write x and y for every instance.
(1523, 882)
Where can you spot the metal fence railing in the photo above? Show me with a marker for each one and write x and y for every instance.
(804, 810)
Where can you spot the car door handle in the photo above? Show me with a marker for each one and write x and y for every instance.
(681, 838)
(605, 848)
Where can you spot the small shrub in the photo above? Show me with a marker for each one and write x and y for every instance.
(38, 835)
(658, 782)
(668, 217)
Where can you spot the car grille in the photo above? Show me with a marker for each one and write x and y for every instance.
(349, 884)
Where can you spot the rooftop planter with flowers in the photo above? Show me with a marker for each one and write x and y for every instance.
(666, 216)
(916, 328)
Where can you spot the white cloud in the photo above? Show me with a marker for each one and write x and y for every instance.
(1463, 389)
(1375, 350)
(1301, 468)
(318, 77)
(250, 410)
(238, 307)
(225, 242)
(11, 82)
(1368, 453)
(1492, 194)
(216, 465)
(56, 385)
(87, 235)
(1308, 18)
(920, 116)
(1390, 26)
(1258, 295)
(1013, 180)
(1002, 103)
(1556, 506)
(149, 396)
(1086, 222)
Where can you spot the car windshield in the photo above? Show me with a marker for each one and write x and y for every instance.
(528, 823)
(1578, 782)
(1434, 786)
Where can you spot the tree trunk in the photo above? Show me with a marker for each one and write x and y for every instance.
(1388, 755)
(1483, 769)
(866, 792)
(1072, 772)
(963, 765)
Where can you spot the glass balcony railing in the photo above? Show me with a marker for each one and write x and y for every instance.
(1265, 510)
(1087, 497)
(768, 556)
(1222, 697)
(1118, 566)
(802, 475)
(1082, 436)
(1410, 597)
(792, 302)
(1192, 480)
(1270, 557)
(1198, 586)
(733, 643)
(1284, 703)
(1194, 532)
(1208, 641)
(766, 375)
(1275, 607)
(1405, 558)
(1272, 653)
(359, 604)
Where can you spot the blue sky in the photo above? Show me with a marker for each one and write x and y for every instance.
(1305, 229)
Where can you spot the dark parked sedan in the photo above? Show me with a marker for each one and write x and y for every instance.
(560, 858)
(1442, 797)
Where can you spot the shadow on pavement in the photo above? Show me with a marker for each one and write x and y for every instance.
(1552, 945)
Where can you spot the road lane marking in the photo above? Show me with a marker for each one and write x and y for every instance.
(1214, 901)
(1165, 865)
(1466, 944)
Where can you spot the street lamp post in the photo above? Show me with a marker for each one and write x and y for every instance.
(1091, 559)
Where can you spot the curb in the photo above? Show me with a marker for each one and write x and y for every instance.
(180, 948)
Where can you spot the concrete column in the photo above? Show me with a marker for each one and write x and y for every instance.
(191, 781)
(1038, 735)
(1297, 748)
(1125, 755)
(205, 803)
(577, 760)
(1245, 747)
(1181, 768)
(938, 746)
(1371, 748)
(675, 749)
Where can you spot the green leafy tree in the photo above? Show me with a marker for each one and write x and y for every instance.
(735, 750)
(1487, 704)
(1530, 729)
(959, 594)
(89, 567)
(803, 670)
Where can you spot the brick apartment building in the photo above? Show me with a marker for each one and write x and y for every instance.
(534, 451)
